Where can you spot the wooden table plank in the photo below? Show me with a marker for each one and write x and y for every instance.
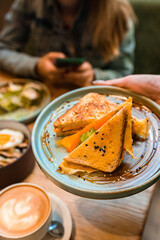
(119, 219)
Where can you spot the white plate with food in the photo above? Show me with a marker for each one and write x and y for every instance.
(112, 147)
(22, 99)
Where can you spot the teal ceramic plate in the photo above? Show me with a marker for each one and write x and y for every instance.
(27, 115)
(133, 175)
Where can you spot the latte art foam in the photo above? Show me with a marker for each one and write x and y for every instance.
(19, 215)
(23, 209)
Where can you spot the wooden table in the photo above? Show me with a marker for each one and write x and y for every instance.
(119, 219)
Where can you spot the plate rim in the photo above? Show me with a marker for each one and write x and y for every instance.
(94, 193)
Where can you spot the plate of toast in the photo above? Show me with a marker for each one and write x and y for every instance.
(99, 142)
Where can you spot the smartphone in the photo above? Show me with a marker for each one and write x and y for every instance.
(68, 62)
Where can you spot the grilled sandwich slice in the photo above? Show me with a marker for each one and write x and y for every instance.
(104, 149)
(90, 107)
(72, 168)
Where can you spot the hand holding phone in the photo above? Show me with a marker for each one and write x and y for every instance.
(56, 68)
(81, 77)
(46, 69)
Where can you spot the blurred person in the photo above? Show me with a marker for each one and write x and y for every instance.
(36, 32)
(146, 85)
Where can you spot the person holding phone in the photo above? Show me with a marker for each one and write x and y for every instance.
(37, 32)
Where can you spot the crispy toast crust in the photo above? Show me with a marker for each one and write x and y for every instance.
(66, 133)
(90, 107)
(104, 149)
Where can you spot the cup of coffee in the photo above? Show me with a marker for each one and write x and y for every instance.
(25, 212)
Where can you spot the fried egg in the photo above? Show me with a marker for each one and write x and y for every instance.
(10, 138)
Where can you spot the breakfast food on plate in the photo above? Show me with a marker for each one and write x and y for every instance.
(12, 145)
(71, 142)
(73, 168)
(140, 127)
(104, 149)
(15, 95)
(91, 107)
(101, 144)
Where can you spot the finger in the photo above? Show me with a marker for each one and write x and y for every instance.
(77, 75)
(59, 70)
(80, 79)
(71, 78)
(115, 82)
(54, 55)
(56, 71)
(55, 76)
(84, 67)
(51, 68)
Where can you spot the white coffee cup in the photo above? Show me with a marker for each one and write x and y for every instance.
(25, 212)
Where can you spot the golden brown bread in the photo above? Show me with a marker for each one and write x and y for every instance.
(72, 168)
(89, 108)
(104, 149)
(128, 133)
(141, 127)
(66, 133)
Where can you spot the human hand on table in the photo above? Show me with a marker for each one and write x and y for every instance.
(47, 69)
(147, 85)
(81, 76)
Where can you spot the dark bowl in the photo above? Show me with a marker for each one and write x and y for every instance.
(22, 167)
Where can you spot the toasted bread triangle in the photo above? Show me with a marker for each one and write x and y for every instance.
(90, 107)
(128, 133)
(104, 149)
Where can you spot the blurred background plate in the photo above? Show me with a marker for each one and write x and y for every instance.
(133, 175)
(26, 115)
